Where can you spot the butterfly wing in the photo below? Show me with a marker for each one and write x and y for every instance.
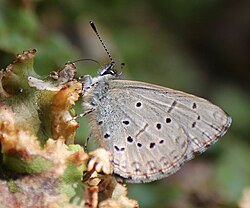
(151, 130)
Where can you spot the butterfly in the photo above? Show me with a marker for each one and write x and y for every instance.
(150, 130)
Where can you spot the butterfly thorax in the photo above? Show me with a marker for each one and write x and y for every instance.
(94, 92)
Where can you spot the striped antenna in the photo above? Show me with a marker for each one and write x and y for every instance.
(95, 30)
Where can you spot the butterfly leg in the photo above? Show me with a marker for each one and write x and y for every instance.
(86, 142)
(81, 115)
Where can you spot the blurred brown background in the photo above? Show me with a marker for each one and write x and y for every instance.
(200, 47)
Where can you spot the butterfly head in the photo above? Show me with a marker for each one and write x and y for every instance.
(109, 69)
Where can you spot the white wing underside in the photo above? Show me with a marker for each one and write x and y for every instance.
(151, 130)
